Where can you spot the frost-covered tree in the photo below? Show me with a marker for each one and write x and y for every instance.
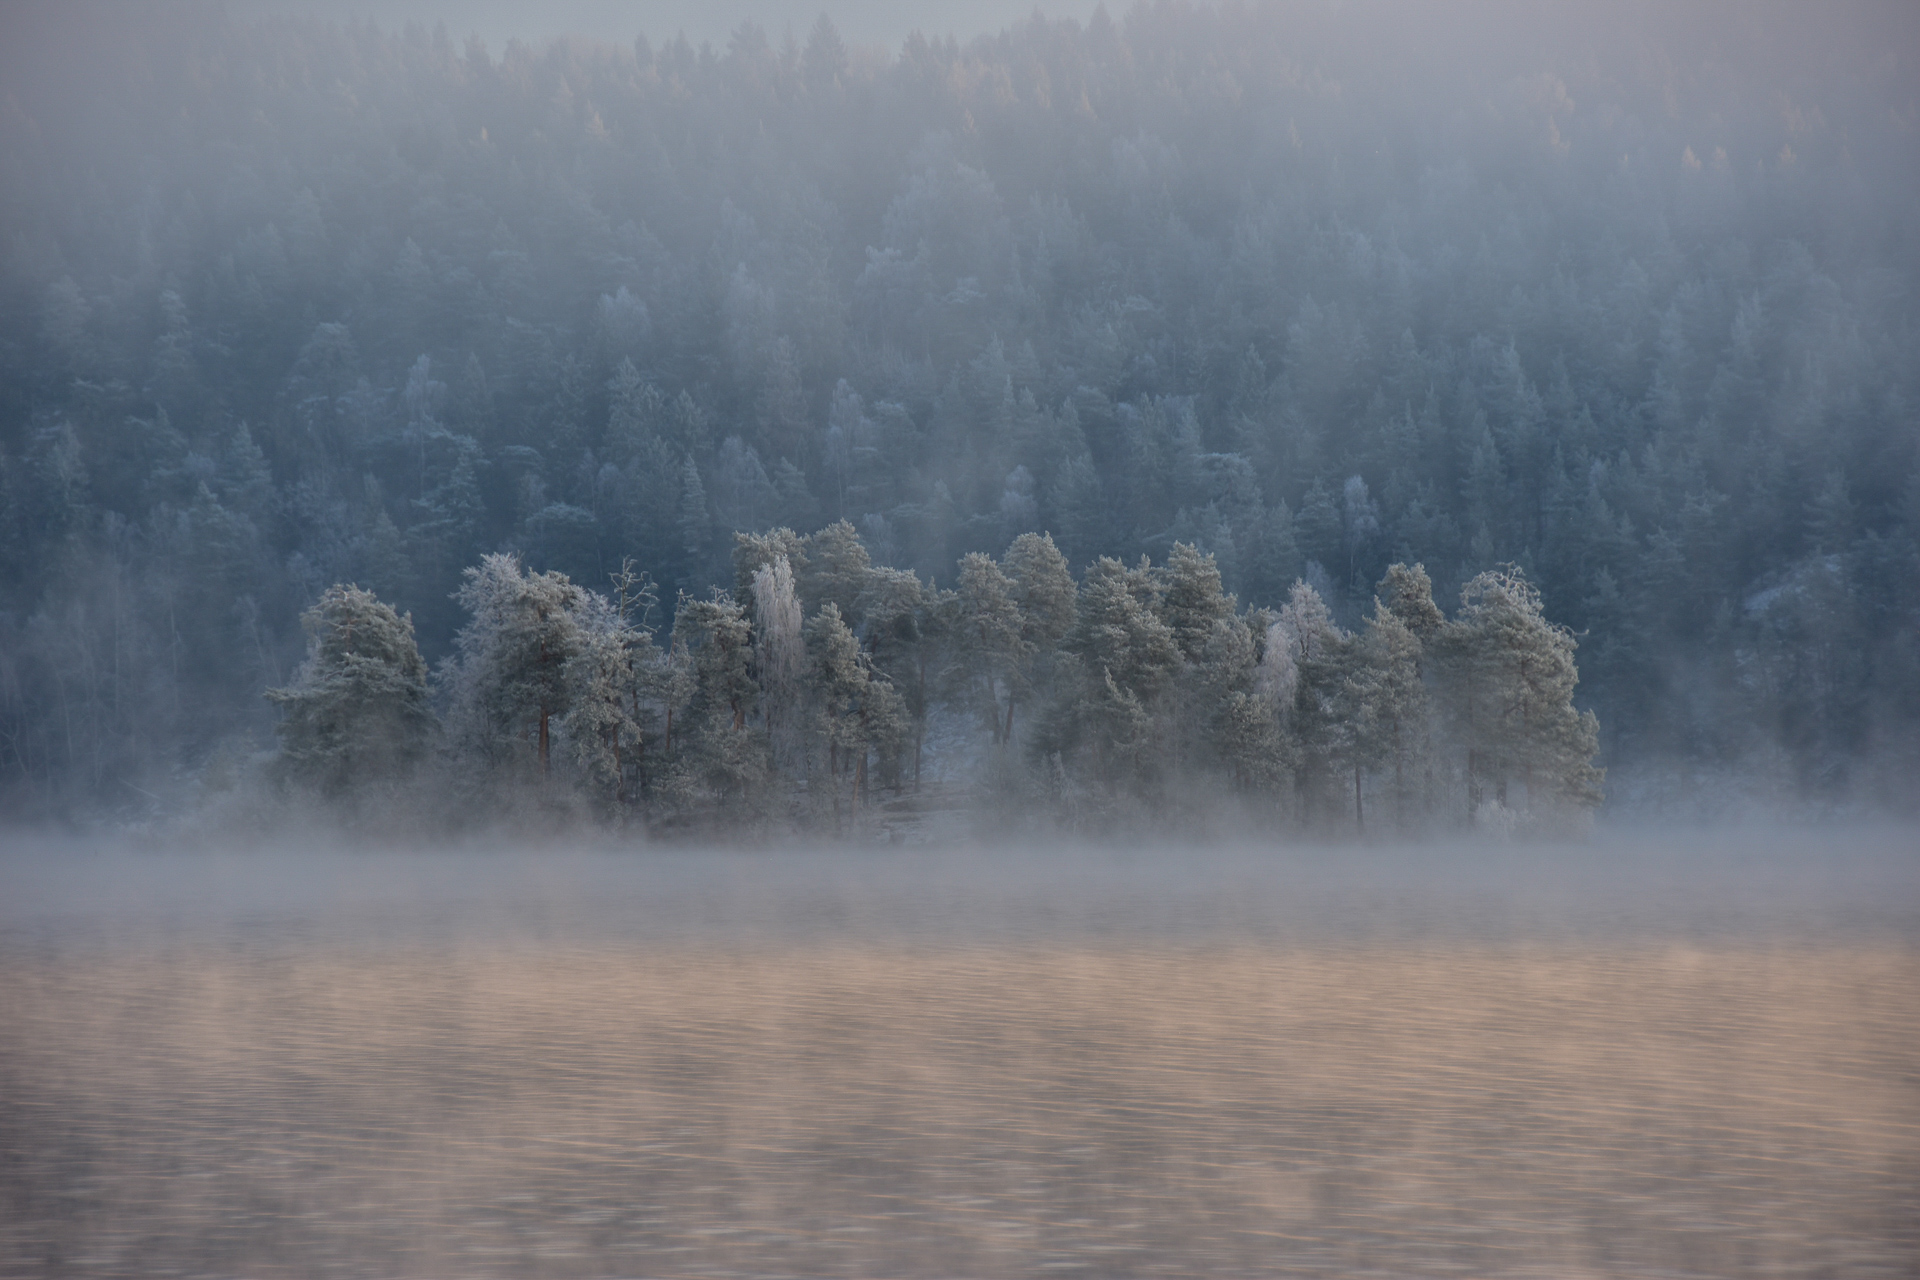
(780, 654)
(357, 713)
(1046, 600)
(1319, 653)
(1387, 704)
(615, 679)
(1216, 652)
(719, 635)
(753, 552)
(1509, 677)
(1220, 692)
(508, 680)
(1043, 589)
(1407, 594)
(833, 569)
(1192, 599)
(1127, 659)
(719, 757)
(989, 652)
(905, 629)
(855, 708)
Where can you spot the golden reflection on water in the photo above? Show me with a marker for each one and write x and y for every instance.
(896, 1110)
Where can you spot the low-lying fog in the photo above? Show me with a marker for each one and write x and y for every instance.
(1750, 885)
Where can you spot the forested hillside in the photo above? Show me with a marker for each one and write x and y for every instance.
(1623, 302)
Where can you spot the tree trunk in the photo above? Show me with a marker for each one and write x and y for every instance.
(1359, 819)
(619, 772)
(1399, 780)
(546, 767)
(1526, 731)
(920, 722)
(1473, 763)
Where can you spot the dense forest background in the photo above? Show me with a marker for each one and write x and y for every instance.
(1622, 296)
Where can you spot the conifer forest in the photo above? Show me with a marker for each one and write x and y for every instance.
(1344, 417)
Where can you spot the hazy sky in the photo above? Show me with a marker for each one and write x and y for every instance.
(870, 22)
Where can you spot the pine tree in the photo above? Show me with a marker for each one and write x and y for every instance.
(1192, 600)
(1317, 651)
(902, 637)
(357, 713)
(720, 638)
(1127, 658)
(834, 569)
(719, 757)
(1043, 589)
(1509, 677)
(509, 675)
(1408, 596)
(989, 652)
(1220, 683)
(753, 552)
(1047, 600)
(856, 709)
(1388, 709)
(612, 681)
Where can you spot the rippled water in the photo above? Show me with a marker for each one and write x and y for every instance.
(1616, 1059)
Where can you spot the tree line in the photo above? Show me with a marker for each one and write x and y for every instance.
(809, 689)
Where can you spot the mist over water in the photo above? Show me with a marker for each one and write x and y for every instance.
(1858, 883)
(1634, 1056)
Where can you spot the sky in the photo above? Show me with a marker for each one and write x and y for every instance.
(863, 22)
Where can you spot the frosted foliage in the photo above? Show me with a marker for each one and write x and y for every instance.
(1278, 674)
(601, 675)
(777, 621)
(1306, 625)
(507, 679)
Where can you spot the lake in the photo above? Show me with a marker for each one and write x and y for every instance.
(1638, 1055)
